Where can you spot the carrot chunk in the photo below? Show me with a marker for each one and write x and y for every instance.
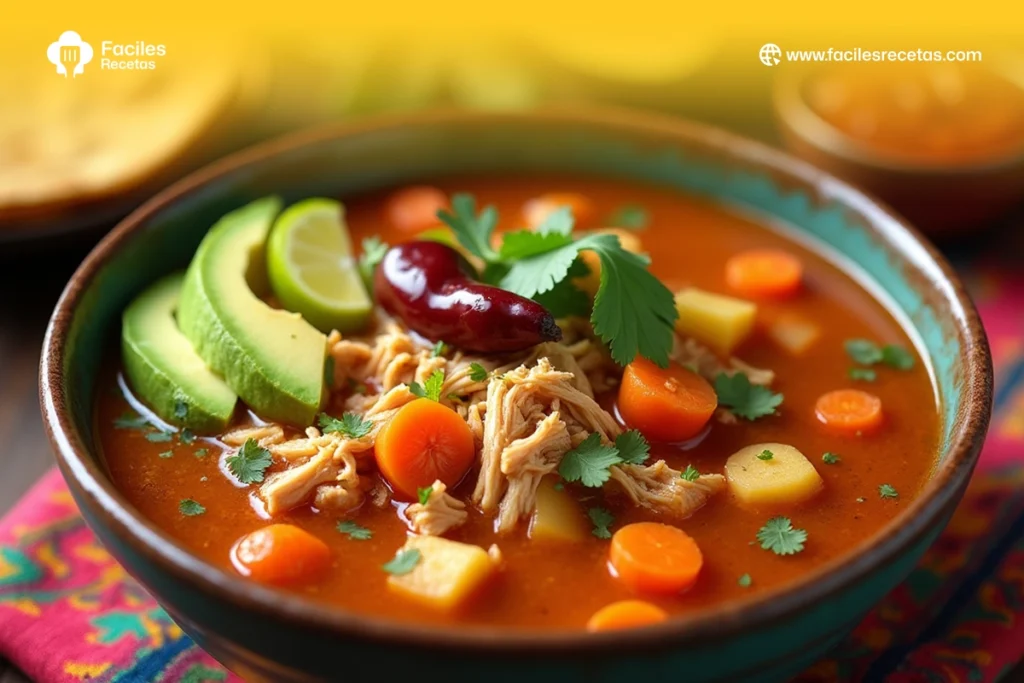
(538, 209)
(280, 554)
(625, 614)
(849, 411)
(414, 209)
(764, 273)
(424, 442)
(650, 557)
(667, 405)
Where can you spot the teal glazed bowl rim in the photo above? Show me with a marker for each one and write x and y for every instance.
(81, 466)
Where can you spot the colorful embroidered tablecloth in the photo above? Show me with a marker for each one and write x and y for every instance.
(68, 612)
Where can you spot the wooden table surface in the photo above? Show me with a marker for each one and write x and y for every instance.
(30, 284)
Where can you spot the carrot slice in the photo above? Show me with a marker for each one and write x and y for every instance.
(424, 442)
(849, 411)
(668, 405)
(280, 554)
(415, 208)
(625, 614)
(764, 273)
(538, 209)
(650, 557)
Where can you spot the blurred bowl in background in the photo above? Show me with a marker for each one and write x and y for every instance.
(941, 143)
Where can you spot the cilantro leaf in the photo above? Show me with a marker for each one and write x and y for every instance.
(746, 400)
(190, 508)
(158, 437)
(200, 453)
(403, 562)
(633, 447)
(539, 273)
(897, 357)
(423, 494)
(588, 463)
(523, 244)
(602, 520)
(166, 454)
(440, 348)
(373, 253)
(473, 231)
(477, 372)
(250, 463)
(691, 473)
(565, 299)
(779, 536)
(765, 455)
(863, 351)
(187, 436)
(862, 374)
(745, 581)
(629, 216)
(830, 458)
(558, 222)
(887, 491)
(634, 313)
(354, 531)
(350, 425)
(180, 410)
(131, 421)
(431, 388)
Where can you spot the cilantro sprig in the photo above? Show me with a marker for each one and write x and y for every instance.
(602, 520)
(350, 425)
(354, 531)
(746, 400)
(403, 562)
(779, 536)
(431, 388)
(633, 312)
(373, 253)
(867, 352)
(250, 463)
(590, 463)
(477, 372)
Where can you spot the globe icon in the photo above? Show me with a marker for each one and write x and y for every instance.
(770, 54)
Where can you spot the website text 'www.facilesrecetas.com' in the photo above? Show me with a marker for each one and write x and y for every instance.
(771, 55)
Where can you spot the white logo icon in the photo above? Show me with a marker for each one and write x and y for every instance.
(69, 54)
(770, 54)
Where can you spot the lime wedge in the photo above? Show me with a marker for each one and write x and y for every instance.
(311, 267)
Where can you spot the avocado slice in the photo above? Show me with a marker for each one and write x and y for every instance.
(273, 359)
(163, 368)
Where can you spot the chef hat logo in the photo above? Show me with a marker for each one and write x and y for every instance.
(79, 54)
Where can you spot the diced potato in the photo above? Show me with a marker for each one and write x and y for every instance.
(590, 282)
(557, 516)
(794, 333)
(786, 478)
(447, 574)
(721, 322)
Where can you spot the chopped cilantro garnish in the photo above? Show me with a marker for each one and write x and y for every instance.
(180, 410)
(633, 447)
(629, 216)
(201, 453)
(602, 520)
(354, 531)
(765, 455)
(897, 357)
(633, 312)
(166, 454)
(588, 463)
(887, 491)
(867, 352)
(423, 494)
(373, 253)
(477, 372)
(830, 458)
(403, 562)
(746, 400)
(350, 425)
(745, 581)
(779, 536)
(431, 388)
(158, 437)
(131, 421)
(250, 462)
(190, 508)
(862, 374)
(691, 473)
(440, 348)
(186, 436)
(329, 372)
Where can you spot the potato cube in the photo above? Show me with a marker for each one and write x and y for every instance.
(557, 515)
(784, 478)
(794, 333)
(447, 574)
(590, 282)
(721, 322)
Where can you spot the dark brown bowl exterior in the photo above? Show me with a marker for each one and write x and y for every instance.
(941, 202)
(268, 635)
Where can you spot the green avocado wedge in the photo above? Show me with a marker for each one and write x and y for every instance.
(163, 368)
(273, 359)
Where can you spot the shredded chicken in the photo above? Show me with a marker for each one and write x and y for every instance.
(440, 513)
(691, 353)
(660, 488)
(332, 472)
(525, 461)
(265, 435)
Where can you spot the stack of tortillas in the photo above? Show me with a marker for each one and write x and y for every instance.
(71, 145)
